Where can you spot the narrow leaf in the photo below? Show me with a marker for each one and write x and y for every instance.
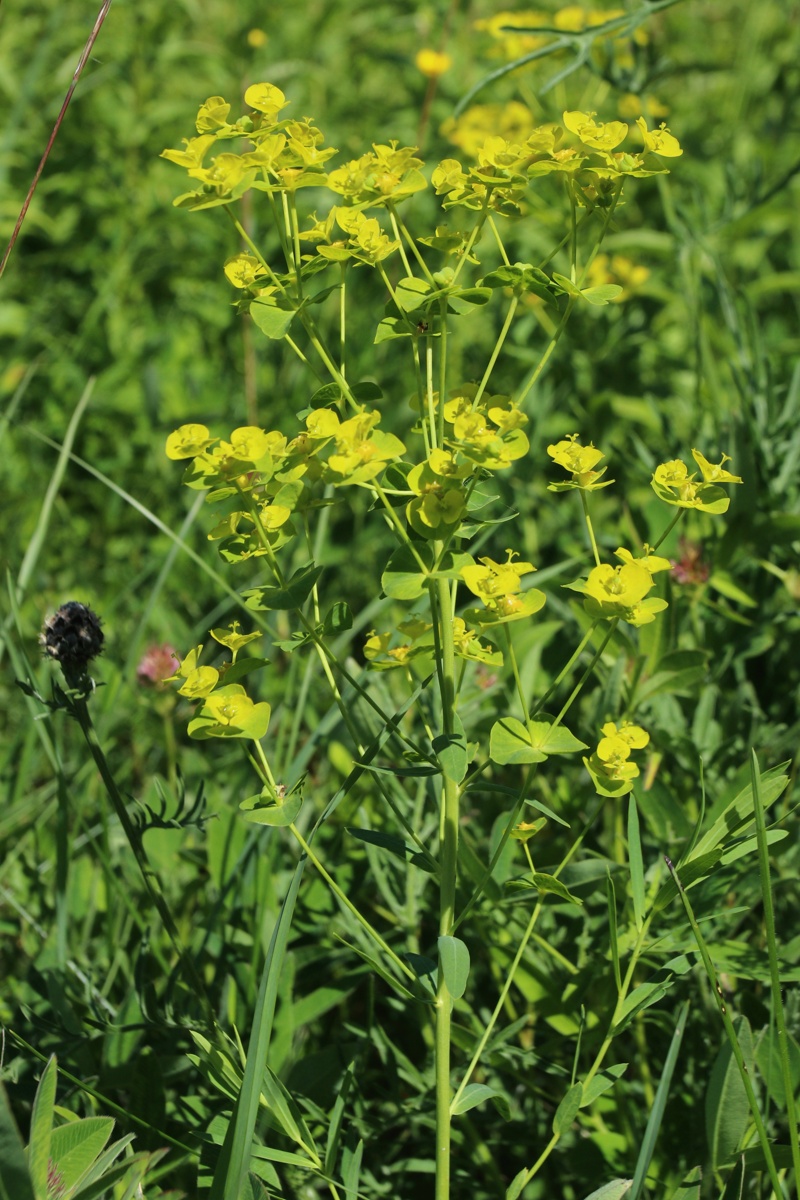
(568, 1109)
(636, 863)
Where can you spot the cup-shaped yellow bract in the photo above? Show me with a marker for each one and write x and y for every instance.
(659, 141)
(580, 461)
(673, 484)
(229, 712)
(596, 134)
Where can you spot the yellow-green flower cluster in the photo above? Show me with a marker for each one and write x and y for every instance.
(505, 165)
(386, 650)
(580, 461)
(673, 483)
(499, 586)
(226, 711)
(487, 431)
(621, 591)
(268, 471)
(611, 767)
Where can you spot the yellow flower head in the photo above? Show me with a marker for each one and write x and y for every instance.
(432, 63)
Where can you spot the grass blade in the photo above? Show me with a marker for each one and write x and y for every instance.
(779, 1015)
(659, 1104)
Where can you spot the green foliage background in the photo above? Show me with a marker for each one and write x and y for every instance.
(108, 282)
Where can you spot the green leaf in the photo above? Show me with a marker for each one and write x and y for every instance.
(271, 317)
(602, 1082)
(689, 1187)
(473, 1095)
(568, 1109)
(292, 596)
(514, 1189)
(512, 742)
(739, 813)
(351, 1170)
(650, 1138)
(74, 1147)
(727, 1109)
(338, 619)
(612, 1191)
(452, 753)
(15, 1181)
(691, 872)
(286, 1114)
(641, 998)
(548, 884)
(636, 862)
(615, 1189)
(379, 969)
(396, 846)
(601, 294)
(264, 810)
(41, 1129)
(231, 1168)
(454, 959)
(411, 294)
(403, 579)
(541, 807)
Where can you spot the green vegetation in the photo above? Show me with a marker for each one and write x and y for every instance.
(459, 856)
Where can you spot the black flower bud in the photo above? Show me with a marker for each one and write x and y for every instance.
(73, 637)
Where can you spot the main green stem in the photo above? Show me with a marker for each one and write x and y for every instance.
(447, 895)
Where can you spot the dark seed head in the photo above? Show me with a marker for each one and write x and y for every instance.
(72, 636)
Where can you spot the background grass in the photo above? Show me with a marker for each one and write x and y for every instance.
(111, 288)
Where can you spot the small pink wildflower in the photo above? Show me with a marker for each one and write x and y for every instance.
(157, 664)
(691, 566)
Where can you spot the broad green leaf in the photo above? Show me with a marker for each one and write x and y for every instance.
(601, 294)
(74, 1147)
(568, 1109)
(473, 1095)
(548, 883)
(338, 619)
(263, 809)
(41, 1129)
(511, 742)
(292, 596)
(454, 958)
(403, 578)
(412, 294)
(270, 317)
(15, 1180)
(426, 971)
(452, 753)
(615, 1189)
(727, 1110)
